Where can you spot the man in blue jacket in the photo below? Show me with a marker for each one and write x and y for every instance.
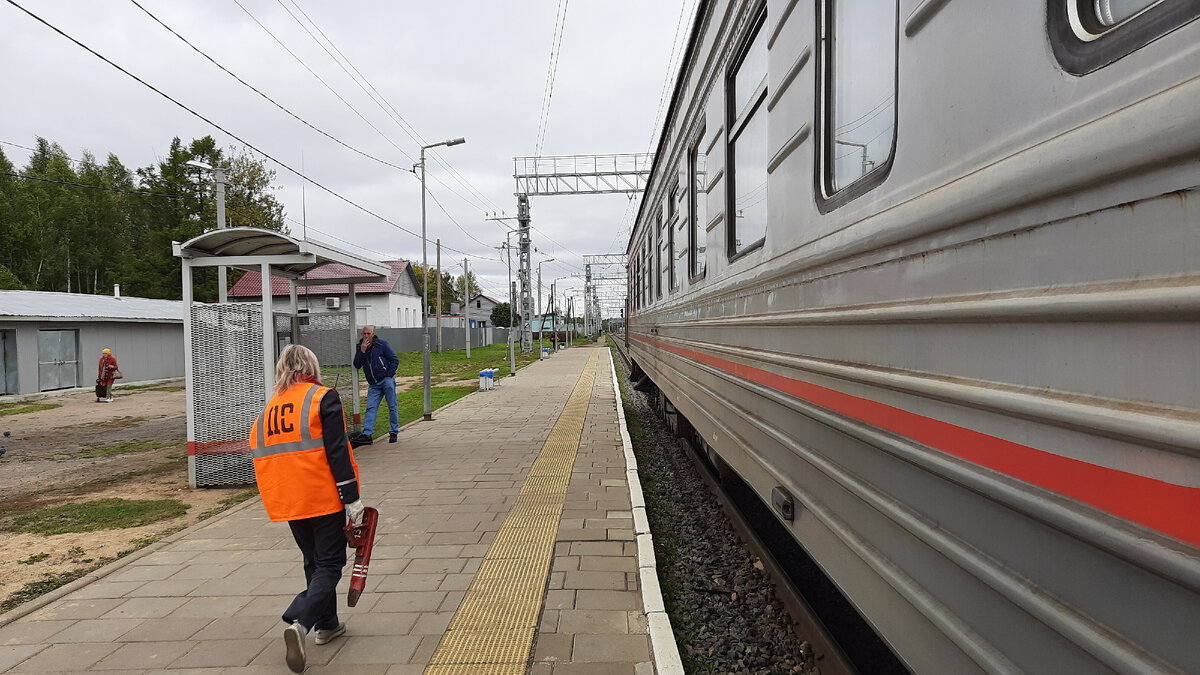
(378, 363)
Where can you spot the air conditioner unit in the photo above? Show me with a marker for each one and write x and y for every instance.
(333, 303)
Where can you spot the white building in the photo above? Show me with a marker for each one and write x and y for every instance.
(395, 303)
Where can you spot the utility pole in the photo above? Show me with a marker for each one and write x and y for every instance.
(439, 294)
(512, 303)
(587, 304)
(523, 277)
(467, 306)
(512, 297)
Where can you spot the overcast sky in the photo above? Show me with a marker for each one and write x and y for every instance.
(474, 68)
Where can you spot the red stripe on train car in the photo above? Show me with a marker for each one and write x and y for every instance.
(1168, 508)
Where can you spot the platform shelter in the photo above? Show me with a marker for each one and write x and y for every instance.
(230, 348)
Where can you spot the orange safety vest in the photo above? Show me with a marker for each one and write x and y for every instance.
(293, 473)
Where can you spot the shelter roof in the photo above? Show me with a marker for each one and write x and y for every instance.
(247, 247)
(250, 285)
(34, 305)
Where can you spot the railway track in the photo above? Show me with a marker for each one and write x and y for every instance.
(830, 657)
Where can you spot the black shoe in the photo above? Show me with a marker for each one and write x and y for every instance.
(392, 437)
(363, 439)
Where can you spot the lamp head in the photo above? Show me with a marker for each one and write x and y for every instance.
(198, 164)
(456, 141)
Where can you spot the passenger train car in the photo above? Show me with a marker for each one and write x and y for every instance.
(931, 270)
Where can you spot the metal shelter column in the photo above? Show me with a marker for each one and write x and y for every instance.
(268, 330)
(353, 347)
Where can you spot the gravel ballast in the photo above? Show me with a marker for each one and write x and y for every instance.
(722, 605)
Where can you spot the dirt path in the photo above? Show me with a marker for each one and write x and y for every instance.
(43, 467)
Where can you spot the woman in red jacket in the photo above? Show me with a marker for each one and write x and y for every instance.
(108, 367)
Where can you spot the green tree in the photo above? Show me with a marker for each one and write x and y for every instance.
(448, 295)
(500, 315)
(249, 194)
(9, 281)
(459, 289)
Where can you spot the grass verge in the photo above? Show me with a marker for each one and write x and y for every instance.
(118, 449)
(444, 367)
(20, 408)
(36, 589)
(411, 405)
(99, 514)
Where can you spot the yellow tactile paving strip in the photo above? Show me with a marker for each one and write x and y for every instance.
(492, 631)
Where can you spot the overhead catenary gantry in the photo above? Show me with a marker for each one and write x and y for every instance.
(572, 175)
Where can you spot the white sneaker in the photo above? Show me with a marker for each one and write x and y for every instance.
(108, 400)
(324, 636)
(293, 639)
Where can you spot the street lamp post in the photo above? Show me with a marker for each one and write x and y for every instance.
(218, 178)
(541, 317)
(425, 286)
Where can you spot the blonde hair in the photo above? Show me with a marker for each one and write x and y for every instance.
(295, 361)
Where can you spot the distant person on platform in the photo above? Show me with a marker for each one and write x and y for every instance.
(105, 376)
(378, 363)
(307, 476)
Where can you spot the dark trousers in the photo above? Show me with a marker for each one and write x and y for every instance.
(323, 542)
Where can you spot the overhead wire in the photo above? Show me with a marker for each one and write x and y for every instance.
(381, 101)
(143, 193)
(241, 140)
(671, 68)
(560, 25)
(263, 95)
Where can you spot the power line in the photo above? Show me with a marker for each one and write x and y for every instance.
(268, 98)
(671, 67)
(376, 98)
(96, 187)
(226, 131)
(52, 154)
(322, 81)
(446, 165)
(560, 27)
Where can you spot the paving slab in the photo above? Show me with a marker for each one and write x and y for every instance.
(208, 600)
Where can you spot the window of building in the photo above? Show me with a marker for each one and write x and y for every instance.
(697, 207)
(1089, 34)
(857, 95)
(747, 170)
(478, 304)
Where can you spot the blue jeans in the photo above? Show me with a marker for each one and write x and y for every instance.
(385, 388)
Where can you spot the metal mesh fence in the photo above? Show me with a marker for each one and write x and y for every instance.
(227, 392)
(327, 335)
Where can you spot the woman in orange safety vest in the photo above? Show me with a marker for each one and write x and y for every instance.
(307, 476)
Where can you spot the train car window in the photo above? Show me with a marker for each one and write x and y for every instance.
(1110, 13)
(747, 180)
(856, 98)
(1087, 35)
(650, 268)
(672, 223)
(697, 207)
(658, 263)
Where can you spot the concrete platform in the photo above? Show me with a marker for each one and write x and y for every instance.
(208, 599)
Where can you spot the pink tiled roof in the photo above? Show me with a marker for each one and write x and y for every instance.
(250, 285)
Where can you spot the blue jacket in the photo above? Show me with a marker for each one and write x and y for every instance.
(378, 362)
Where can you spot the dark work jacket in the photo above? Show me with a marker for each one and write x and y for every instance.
(378, 362)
